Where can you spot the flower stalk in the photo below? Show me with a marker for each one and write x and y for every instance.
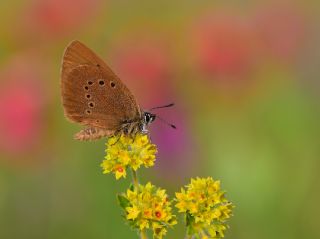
(135, 180)
(143, 235)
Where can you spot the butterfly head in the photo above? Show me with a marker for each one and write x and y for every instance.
(148, 118)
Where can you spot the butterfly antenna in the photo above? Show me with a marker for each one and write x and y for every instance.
(167, 123)
(163, 106)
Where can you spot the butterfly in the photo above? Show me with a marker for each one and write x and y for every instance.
(95, 97)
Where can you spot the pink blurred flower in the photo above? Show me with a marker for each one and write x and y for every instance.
(58, 17)
(21, 102)
(281, 28)
(223, 44)
(144, 64)
(176, 157)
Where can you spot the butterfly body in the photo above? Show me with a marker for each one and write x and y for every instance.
(93, 96)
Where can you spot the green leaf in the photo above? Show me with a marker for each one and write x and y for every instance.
(123, 201)
(131, 187)
(189, 223)
(189, 219)
(191, 231)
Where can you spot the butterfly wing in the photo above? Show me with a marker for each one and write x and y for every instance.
(92, 94)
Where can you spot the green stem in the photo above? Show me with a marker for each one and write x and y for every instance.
(135, 179)
(188, 237)
(202, 233)
(143, 234)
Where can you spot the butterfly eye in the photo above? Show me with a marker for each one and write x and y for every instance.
(101, 82)
(112, 84)
(90, 82)
(88, 96)
(91, 104)
(98, 65)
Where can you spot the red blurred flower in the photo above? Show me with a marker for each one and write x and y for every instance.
(21, 102)
(281, 28)
(144, 64)
(223, 44)
(59, 17)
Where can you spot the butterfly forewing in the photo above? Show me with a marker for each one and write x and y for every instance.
(92, 94)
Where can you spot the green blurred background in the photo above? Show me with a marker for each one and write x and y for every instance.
(245, 79)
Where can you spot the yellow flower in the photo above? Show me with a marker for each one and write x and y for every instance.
(205, 206)
(132, 212)
(120, 172)
(158, 230)
(148, 207)
(217, 231)
(123, 152)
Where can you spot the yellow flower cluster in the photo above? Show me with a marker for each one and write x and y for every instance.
(123, 152)
(205, 206)
(148, 207)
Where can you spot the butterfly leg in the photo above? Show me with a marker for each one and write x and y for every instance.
(118, 134)
(149, 135)
(135, 130)
(134, 135)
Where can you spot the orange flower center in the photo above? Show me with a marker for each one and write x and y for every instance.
(158, 214)
(120, 170)
(146, 213)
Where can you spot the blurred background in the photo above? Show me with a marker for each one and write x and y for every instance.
(245, 79)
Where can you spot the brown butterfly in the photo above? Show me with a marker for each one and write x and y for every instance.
(93, 96)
